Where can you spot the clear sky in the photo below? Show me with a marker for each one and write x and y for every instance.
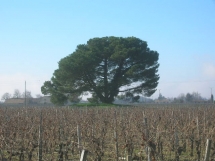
(35, 35)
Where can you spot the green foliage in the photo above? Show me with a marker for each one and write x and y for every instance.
(53, 88)
(74, 97)
(136, 98)
(129, 94)
(94, 99)
(105, 66)
(121, 97)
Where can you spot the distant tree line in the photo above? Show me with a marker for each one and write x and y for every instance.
(18, 94)
(189, 98)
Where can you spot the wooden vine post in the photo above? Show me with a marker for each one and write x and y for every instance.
(40, 141)
(146, 133)
(207, 151)
(198, 140)
(84, 155)
(79, 138)
(176, 139)
(116, 137)
(129, 158)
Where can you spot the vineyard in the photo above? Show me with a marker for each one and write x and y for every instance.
(154, 132)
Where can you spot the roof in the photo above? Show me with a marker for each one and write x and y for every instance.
(15, 101)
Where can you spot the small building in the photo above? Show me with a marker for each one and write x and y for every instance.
(45, 100)
(15, 101)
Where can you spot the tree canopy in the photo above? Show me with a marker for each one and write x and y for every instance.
(105, 67)
(17, 94)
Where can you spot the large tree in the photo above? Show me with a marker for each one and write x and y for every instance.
(105, 66)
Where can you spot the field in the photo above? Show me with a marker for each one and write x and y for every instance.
(161, 132)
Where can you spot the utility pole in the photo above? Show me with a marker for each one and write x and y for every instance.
(25, 94)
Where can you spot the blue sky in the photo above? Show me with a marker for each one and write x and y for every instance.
(35, 35)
